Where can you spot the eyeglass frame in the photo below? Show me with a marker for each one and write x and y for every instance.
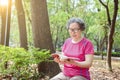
(74, 30)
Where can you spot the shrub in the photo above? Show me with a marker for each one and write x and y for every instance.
(114, 54)
(21, 63)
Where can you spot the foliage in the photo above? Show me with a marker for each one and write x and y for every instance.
(60, 11)
(116, 54)
(20, 63)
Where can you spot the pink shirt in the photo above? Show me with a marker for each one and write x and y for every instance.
(77, 50)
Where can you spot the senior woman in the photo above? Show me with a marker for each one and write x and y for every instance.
(77, 46)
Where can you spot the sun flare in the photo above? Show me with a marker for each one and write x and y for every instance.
(3, 2)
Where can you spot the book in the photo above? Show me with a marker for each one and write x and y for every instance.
(62, 57)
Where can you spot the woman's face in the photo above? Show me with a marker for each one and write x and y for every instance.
(74, 31)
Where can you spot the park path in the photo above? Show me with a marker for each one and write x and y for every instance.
(104, 57)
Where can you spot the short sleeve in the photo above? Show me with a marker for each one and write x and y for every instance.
(65, 44)
(89, 48)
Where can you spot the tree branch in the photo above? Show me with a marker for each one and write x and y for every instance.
(114, 15)
(102, 3)
(107, 10)
(107, 2)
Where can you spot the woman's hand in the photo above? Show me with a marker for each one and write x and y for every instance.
(62, 59)
(57, 59)
(69, 61)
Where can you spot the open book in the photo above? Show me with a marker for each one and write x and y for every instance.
(62, 57)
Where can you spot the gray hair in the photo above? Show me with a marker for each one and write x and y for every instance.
(76, 20)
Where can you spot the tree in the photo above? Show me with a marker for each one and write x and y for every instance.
(40, 25)
(22, 24)
(41, 34)
(8, 22)
(98, 33)
(111, 24)
(3, 27)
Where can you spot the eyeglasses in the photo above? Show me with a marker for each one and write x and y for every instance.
(74, 30)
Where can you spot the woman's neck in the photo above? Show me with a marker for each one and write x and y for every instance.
(77, 40)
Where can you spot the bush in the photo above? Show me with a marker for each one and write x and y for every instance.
(114, 54)
(21, 63)
(100, 53)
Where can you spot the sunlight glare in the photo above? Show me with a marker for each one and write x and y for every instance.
(3, 2)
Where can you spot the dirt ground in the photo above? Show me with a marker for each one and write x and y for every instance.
(99, 71)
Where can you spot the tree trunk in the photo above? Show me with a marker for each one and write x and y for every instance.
(3, 27)
(110, 36)
(111, 31)
(22, 24)
(40, 25)
(41, 34)
(8, 22)
(56, 39)
(49, 68)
